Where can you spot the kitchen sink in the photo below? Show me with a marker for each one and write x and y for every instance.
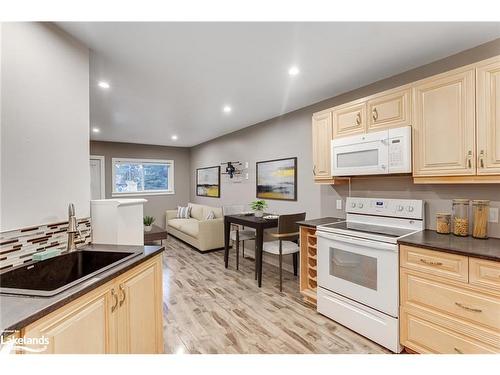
(52, 276)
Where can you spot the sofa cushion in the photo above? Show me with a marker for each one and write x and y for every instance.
(188, 226)
(183, 212)
(216, 210)
(197, 211)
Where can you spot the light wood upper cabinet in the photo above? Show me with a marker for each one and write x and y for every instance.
(488, 117)
(444, 125)
(78, 328)
(140, 311)
(389, 109)
(322, 138)
(349, 119)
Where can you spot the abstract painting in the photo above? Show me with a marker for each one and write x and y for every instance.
(277, 179)
(208, 182)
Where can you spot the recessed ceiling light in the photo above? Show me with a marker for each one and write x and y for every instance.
(226, 109)
(293, 71)
(103, 85)
(174, 137)
(96, 130)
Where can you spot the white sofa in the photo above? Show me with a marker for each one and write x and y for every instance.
(197, 231)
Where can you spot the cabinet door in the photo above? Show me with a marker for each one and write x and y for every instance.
(389, 110)
(488, 117)
(78, 328)
(139, 320)
(444, 126)
(322, 139)
(349, 119)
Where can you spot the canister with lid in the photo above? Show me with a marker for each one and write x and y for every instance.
(480, 214)
(461, 217)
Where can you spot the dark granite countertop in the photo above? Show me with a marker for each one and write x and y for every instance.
(315, 222)
(16, 311)
(485, 249)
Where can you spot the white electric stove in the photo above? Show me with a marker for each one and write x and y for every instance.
(358, 265)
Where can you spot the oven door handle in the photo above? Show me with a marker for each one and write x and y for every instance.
(358, 241)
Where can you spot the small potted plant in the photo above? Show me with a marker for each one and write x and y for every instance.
(148, 223)
(258, 207)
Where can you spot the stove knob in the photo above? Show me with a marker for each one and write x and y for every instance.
(353, 205)
(410, 208)
(360, 205)
(400, 208)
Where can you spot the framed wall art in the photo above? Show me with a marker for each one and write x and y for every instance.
(277, 179)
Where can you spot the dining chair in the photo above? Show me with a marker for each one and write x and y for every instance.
(287, 241)
(238, 232)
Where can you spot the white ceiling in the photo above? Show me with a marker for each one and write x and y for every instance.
(174, 78)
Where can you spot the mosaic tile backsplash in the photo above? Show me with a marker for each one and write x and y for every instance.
(18, 246)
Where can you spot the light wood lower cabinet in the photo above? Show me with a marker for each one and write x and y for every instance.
(78, 328)
(139, 313)
(123, 316)
(308, 264)
(444, 312)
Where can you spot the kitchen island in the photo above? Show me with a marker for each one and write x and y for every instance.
(116, 311)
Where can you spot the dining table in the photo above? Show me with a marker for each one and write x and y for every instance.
(260, 224)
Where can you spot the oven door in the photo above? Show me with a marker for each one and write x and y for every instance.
(363, 270)
(360, 155)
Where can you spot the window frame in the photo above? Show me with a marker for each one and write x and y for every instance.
(171, 174)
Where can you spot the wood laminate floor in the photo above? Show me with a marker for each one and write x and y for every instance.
(208, 309)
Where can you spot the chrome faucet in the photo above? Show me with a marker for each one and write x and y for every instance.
(73, 231)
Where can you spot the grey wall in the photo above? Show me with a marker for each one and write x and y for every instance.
(44, 125)
(290, 135)
(157, 204)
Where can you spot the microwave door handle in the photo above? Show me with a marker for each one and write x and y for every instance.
(358, 241)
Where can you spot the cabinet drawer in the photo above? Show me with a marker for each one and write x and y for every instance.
(464, 303)
(426, 337)
(450, 266)
(484, 273)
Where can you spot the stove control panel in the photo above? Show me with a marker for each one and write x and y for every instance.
(404, 208)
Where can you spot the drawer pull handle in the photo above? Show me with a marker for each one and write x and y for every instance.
(375, 114)
(468, 308)
(430, 263)
(458, 351)
(358, 119)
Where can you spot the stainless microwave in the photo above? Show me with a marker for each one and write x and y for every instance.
(382, 152)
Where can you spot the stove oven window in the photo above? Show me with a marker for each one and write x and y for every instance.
(355, 268)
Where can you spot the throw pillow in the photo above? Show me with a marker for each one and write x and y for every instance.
(210, 216)
(183, 212)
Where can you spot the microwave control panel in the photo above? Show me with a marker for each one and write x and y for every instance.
(399, 150)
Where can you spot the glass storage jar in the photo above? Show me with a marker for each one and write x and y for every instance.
(443, 223)
(461, 217)
(480, 214)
